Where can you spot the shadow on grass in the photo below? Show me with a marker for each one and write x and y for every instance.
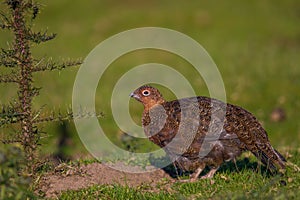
(227, 167)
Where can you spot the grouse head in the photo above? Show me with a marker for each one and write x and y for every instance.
(148, 96)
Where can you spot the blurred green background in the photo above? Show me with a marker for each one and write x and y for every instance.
(255, 44)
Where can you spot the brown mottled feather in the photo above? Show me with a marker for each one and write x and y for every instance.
(239, 132)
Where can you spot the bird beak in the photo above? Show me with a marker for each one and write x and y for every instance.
(134, 96)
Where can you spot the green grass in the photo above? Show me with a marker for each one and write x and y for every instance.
(249, 182)
(113, 192)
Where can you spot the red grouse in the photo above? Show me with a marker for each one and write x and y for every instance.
(199, 131)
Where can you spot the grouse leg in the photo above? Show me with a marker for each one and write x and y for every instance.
(194, 176)
(210, 174)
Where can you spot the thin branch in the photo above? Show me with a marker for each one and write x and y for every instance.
(34, 7)
(7, 63)
(6, 119)
(9, 78)
(5, 22)
(8, 58)
(40, 37)
(9, 114)
(51, 65)
(65, 117)
(10, 141)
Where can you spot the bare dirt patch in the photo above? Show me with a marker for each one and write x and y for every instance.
(73, 178)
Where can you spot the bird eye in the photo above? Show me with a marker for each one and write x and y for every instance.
(146, 93)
